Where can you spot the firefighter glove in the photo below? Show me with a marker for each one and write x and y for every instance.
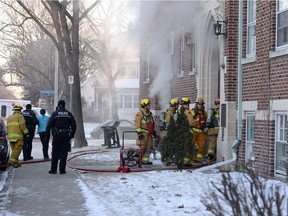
(154, 135)
(26, 136)
(140, 136)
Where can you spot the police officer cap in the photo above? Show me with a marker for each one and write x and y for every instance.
(61, 103)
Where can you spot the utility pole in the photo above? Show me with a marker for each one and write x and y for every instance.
(56, 79)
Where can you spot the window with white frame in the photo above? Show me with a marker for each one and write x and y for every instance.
(193, 57)
(251, 28)
(250, 136)
(281, 143)
(181, 60)
(128, 101)
(171, 43)
(282, 23)
(128, 69)
(135, 101)
(147, 66)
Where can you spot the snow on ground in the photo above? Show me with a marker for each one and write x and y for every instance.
(158, 193)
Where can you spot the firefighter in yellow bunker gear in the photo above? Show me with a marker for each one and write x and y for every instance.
(171, 111)
(184, 102)
(16, 128)
(145, 128)
(213, 125)
(198, 127)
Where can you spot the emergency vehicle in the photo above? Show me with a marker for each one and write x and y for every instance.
(6, 106)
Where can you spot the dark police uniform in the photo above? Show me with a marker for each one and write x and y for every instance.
(31, 122)
(63, 126)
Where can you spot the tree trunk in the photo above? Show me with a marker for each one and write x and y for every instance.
(80, 140)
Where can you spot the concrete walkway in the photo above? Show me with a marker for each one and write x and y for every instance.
(31, 190)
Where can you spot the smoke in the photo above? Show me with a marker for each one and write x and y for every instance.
(161, 85)
(160, 19)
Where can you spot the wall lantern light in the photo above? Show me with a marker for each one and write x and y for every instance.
(218, 25)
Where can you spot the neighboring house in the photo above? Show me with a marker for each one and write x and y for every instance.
(180, 56)
(125, 67)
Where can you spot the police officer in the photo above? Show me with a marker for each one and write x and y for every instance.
(63, 126)
(31, 122)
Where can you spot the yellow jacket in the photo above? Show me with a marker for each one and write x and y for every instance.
(16, 126)
(142, 119)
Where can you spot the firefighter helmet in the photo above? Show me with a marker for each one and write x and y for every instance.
(200, 101)
(217, 101)
(184, 100)
(174, 101)
(17, 107)
(145, 102)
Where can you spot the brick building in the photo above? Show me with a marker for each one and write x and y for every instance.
(181, 56)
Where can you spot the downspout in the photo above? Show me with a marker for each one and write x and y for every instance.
(238, 141)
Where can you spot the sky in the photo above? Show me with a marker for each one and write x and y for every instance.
(151, 193)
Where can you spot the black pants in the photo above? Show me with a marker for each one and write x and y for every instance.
(27, 144)
(60, 148)
(45, 145)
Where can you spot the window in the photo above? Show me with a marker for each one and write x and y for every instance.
(171, 43)
(3, 111)
(282, 23)
(181, 60)
(128, 101)
(251, 28)
(250, 137)
(193, 57)
(147, 70)
(281, 143)
(129, 69)
(135, 101)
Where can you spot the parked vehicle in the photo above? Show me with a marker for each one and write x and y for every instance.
(125, 125)
(4, 148)
(6, 107)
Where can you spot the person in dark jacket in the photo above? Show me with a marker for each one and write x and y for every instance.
(31, 122)
(63, 126)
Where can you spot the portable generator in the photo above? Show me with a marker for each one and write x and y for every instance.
(129, 157)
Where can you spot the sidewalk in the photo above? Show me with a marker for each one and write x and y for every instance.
(31, 190)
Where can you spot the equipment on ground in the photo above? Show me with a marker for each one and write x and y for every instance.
(111, 134)
(129, 157)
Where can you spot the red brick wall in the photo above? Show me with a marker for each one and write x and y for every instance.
(263, 80)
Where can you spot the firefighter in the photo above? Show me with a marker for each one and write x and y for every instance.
(213, 125)
(31, 122)
(171, 111)
(198, 127)
(16, 128)
(63, 126)
(184, 102)
(145, 128)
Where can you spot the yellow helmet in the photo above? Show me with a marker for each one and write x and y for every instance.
(145, 102)
(174, 101)
(184, 100)
(200, 101)
(17, 107)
